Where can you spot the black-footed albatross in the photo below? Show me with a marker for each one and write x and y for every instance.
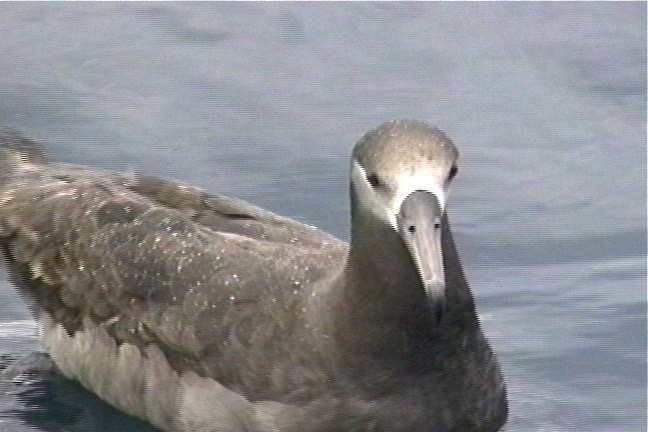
(201, 313)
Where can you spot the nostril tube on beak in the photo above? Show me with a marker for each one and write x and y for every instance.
(419, 222)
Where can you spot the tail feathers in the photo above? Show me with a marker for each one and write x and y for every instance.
(16, 151)
(12, 142)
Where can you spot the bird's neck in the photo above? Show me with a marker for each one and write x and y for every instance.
(381, 279)
(381, 309)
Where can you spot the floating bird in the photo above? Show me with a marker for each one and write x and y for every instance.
(202, 313)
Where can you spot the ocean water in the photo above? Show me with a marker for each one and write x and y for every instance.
(263, 101)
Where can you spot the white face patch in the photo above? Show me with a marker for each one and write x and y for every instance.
(430, 180)
(387, 207)
(369, 198)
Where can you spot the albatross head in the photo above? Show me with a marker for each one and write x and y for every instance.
(400, 177)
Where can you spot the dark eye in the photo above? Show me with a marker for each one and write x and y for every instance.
(453, 172)
(373, 180)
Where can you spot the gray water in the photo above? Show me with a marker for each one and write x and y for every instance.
(546, 101)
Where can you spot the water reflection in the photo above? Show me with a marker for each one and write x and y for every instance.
(46, 401)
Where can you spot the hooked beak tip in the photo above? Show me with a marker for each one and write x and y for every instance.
(436, 302)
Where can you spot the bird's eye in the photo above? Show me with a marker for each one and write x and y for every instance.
(373, 180)
(453, 172)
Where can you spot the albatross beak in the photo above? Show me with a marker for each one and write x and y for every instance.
(419, 223)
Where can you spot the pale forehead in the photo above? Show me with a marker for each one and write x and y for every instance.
(404, 143)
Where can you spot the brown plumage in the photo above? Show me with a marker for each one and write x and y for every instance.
(268, 323)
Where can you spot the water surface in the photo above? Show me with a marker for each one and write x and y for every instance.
(546, 102)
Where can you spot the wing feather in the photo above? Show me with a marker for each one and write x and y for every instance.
(153, 260)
